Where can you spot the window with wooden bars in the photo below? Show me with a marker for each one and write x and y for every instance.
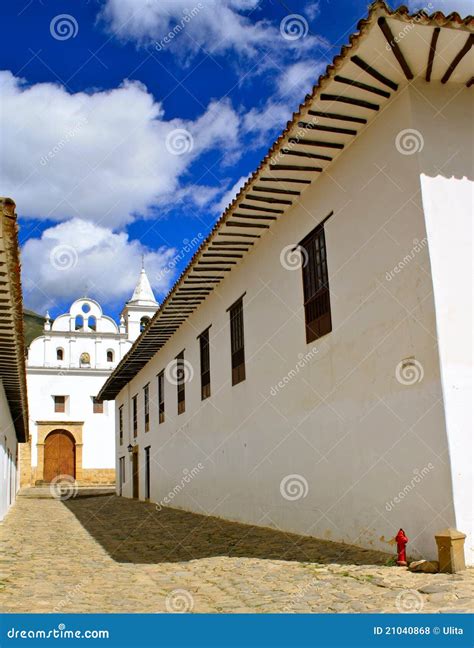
(146, 395)
(204, 353)
(161, 397)
(180, 382)
(97, 406)
(236, 313)
(317, 304)
(59, 404)
(121, 425)
(135, 416)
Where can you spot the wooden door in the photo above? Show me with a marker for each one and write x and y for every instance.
(59, 455)
(135, 474)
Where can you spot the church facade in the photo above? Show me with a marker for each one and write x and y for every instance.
(311, 370)
(71, 433)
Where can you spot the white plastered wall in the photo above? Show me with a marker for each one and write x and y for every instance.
(371, 448)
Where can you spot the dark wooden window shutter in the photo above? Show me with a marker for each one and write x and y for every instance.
(180, 383)
(236, 312)
(205, 364)
(317, 304)
(161, 397)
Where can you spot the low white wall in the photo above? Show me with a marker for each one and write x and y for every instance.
(8, 456)
(369, 449)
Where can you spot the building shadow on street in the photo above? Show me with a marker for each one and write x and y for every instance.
(137, 532)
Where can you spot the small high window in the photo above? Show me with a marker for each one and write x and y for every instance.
(97, 406)
(59, 354)
(92, 322)
(317, 305)
(144, 323)
(205, 364)
(180, 382)
(110, 356)
(79, 323)
(121, 425)
(236, 312)
(161, 397)
(135, 415)
(146, 395)
(59, 404)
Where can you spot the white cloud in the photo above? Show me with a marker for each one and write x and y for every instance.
(292, 84)
(76, 256)
(101, 156)
(184, 27)
(463, 7)
(312, 10)
(229, 195)
(298, 79)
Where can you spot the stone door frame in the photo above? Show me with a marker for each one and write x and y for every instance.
(44, 428)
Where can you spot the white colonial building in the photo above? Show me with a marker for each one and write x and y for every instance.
(311, 370)
(71, 433)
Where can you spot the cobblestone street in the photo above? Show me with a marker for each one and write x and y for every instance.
(109, 554)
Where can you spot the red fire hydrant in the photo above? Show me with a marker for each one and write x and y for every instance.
(401, 540)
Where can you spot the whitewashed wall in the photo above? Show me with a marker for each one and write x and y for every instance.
(447, 183)
(8, 456)
(372, 450)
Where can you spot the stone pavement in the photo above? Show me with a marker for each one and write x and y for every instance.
(110, 554)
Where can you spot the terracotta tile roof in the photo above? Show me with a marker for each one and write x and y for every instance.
(158, 332)
(12, 346)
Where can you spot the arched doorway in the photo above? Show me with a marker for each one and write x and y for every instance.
(59, 455)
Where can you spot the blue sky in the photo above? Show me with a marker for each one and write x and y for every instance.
(128, 125)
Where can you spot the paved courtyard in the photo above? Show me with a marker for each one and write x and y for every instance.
(108, 554)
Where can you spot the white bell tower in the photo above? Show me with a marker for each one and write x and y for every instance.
(139, 310)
